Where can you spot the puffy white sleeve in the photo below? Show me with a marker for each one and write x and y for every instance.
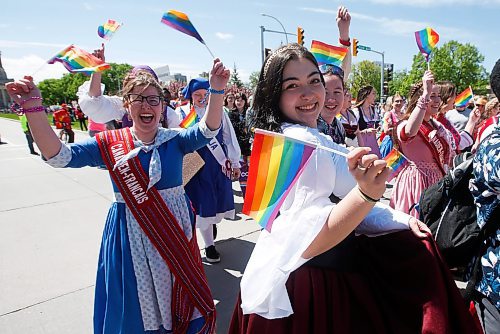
(100, 109)
(231, 142)
(173, 118)
(383, 219)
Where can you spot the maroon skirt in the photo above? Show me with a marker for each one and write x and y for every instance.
(399, 284)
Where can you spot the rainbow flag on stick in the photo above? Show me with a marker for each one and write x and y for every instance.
(464, 97)
(396, 160)
(189, 120)
(426, 40)
(328, 54)
(180, 21)
(108, 29)
(275, 165)
(77, 60)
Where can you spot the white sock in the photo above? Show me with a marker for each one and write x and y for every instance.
(207, 235)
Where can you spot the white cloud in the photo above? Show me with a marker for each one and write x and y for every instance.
(17, 44)
(32, 65)
(224, 36)
(436, 3)
(398, 27)
(88, 6)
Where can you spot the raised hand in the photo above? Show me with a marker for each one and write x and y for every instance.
(99, 53)
(219, 75)
(24, 92)
(343, 22)
(370, 172)
(428, 82)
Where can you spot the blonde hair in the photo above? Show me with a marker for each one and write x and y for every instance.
(492, 104)
(140, 79)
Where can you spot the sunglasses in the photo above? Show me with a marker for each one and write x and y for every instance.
(333, 69)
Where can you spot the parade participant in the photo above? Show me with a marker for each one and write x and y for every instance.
(238, 120)
(63, 122)
(348, 120)
(229, 102)
(392, 117)
(463, 139)
(27, 132)
(311, 273)
(368, 118)
(328, 122)
(425, 142)
(150, 277)
(210, 189)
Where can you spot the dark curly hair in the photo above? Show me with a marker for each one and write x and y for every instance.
(267, 114)
(495, 79)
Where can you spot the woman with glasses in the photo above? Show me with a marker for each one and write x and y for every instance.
(317, 271)
(148, 246)
(425, 142)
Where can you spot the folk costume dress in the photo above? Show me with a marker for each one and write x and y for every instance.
(210, 190)
(135, 287)
(390, 282)
(428, 163)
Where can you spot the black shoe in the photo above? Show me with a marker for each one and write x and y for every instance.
(214, 230)
(212, 255)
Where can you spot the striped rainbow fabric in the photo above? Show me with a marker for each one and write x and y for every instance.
(426, 40)
(77, 60)
(396, 160)
(180, 21)
(189, 120)
(328, 54)
(464, 97)
(275, 165)
(108, 29)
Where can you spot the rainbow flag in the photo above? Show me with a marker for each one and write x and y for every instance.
(328, 54)
(108, 29)
(275, 165)
(396, 160)
(190, 119)
(464, 97)
(180, 21)
(77, 60)
(426, 41)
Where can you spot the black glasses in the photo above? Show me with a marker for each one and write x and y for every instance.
(152, 100)
(333, 69)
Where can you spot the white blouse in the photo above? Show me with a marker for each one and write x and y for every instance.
(302, 215)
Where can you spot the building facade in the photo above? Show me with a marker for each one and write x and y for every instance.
(4, 97)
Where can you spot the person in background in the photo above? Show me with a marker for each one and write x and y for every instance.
(348, 120)
(368, 118)
(229, 102)
(316, 270)
(26, 129)
(63, 121)
(492, 108)
(238, 120)
(81, 118)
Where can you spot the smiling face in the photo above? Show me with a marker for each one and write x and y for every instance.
(435, 100)
(199, 99)
(303, 93)
(334, 97)
(397, 103)
(144, 106)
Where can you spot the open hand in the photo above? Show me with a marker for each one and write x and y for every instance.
(99, 53)
(219, 76)
(343, 22)
(370, 172)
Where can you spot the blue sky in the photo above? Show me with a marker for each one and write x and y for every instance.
(33, 31)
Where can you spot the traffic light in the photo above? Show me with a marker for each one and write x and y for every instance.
(390, 70)
(386, 89)
(300, 36)
(354, 47)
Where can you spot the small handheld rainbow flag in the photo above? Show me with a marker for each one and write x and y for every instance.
(108, 29)
(180, 21)
(396, 160)
(328, 54)
(190, 119)
(464, 97)
(275, 165)
(77, 60)
(426, 40)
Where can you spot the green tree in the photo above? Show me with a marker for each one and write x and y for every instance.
(365, 73)
(235, 78)
(113, 78)
(253, 80)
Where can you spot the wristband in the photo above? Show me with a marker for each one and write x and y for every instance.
(367, 198)
(215, 91)
(33, 109)
(30, 99)
(345, 43)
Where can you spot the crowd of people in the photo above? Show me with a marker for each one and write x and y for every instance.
(336, 259)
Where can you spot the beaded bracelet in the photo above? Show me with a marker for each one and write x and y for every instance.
(367, 198)
(215, 91)
(33, 109)
(30, 99)
(422, 102)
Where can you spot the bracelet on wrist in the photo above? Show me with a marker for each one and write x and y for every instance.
(215, 91)
(367, 198)
(33, 109)
(344, 42)
(30, 99)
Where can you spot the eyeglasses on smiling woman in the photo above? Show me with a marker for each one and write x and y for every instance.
(152, 100)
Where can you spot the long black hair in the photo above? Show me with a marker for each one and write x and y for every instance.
(266, 111)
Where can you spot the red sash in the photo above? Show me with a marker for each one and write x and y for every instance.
(438, 145)
(190, 287)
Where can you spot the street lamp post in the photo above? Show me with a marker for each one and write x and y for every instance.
(286, 35)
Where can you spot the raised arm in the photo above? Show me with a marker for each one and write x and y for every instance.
(27, 94)
(96, 77)
(343, 23)
(417, 115)
(219, 76)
